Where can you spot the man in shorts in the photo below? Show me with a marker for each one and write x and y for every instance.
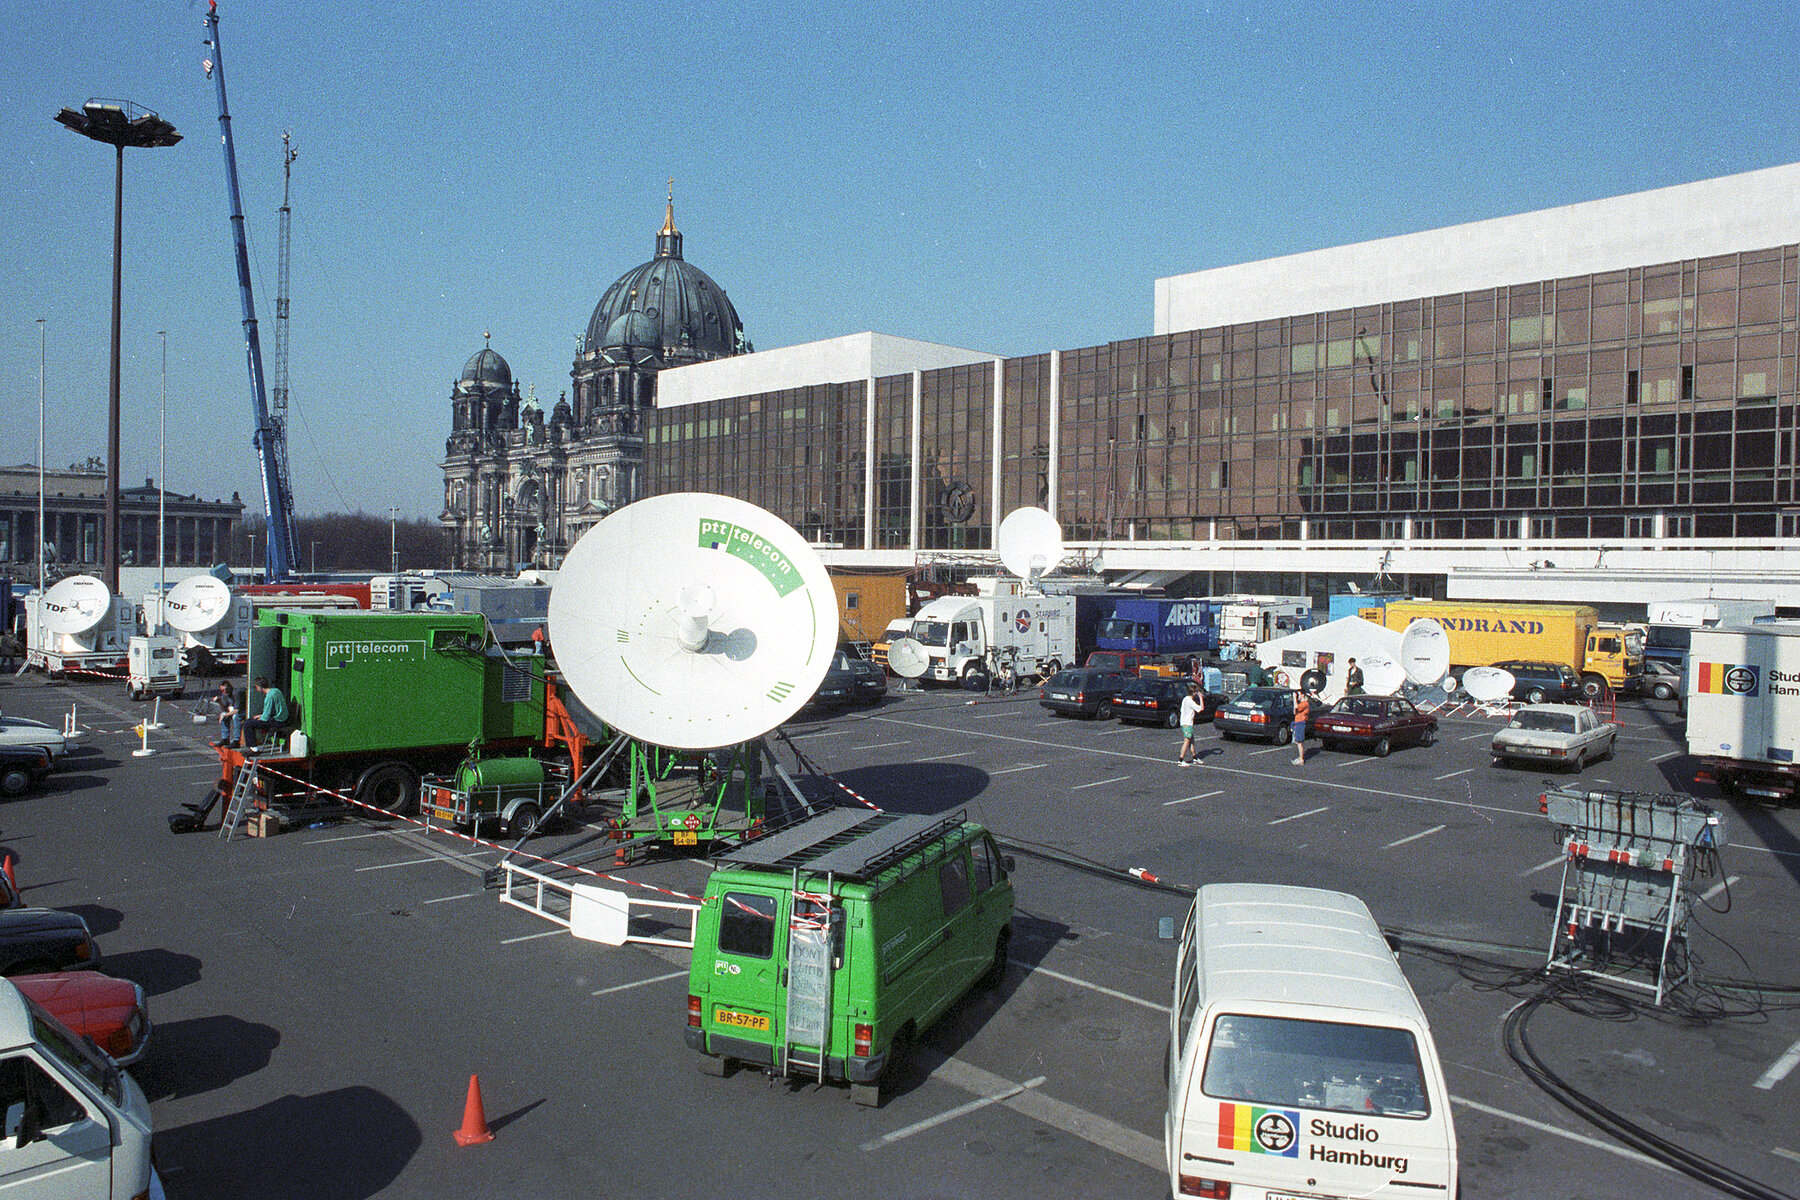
(1191, 708)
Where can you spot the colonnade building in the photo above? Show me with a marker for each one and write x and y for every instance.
(1592, 402)
(197, 532)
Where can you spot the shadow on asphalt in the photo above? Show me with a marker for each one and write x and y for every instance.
(199, 1055)
(345, 1144)
(157, 971)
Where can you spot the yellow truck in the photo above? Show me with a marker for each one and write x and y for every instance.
(1484, 634)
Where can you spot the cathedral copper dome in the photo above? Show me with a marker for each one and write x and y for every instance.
(665, 312)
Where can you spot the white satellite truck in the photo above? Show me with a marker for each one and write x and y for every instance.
(1743, 708)
(966, 638)
(77, 624)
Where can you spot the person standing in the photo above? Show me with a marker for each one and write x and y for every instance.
(10, 650)
(227, 701)
(273, 716)
(1302, 711)
(1353, 681)
(1191, 707)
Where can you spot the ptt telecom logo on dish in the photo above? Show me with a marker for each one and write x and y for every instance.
(1725, 679)
(1255, 1130)
(754, 549)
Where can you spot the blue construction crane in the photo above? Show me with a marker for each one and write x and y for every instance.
(271, 430)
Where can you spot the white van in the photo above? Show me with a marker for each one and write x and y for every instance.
(75, 1126)
(1300, 1062)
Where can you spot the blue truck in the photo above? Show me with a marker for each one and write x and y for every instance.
(1161, 624)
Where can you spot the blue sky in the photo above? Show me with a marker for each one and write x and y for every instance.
(1007, 180)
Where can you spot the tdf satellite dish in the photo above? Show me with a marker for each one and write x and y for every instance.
(908, 658)
(1425, 652)
(1030, 542)
(196, 604)
(1487, 684)
(693, 621)
(75, 605)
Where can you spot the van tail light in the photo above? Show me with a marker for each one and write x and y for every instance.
(693, 1011)
(1543, 803)
(85, 951)
(1216, 1189)
(864, 1040)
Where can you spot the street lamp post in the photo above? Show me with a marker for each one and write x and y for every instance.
(394, 539)
(162, 488)
(118, 123)
(315, 558)
(252, 567)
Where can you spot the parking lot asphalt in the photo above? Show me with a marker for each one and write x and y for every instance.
(321, 998)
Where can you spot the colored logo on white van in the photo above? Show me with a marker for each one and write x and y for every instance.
(1722, 679)
(1022, 622)
(1258, 1130)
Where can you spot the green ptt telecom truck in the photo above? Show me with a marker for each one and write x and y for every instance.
(377, 700)
(825, 949)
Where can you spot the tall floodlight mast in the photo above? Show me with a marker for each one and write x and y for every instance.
(271, 435)
(279, 396)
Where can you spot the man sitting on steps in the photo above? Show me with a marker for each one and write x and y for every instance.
(271, 718)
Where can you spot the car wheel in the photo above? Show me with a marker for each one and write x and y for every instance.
(15, 781)
(1662, 691)
(524, 821)
(1534, 696)
(1104, 710)
(1428, 737)
(1283, 734)
(1381, 747)
(996, 972)
(1173, 721)
(392, 787)
(1593, 687)
(975, 678)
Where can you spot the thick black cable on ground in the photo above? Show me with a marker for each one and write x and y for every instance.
(1611, 1121)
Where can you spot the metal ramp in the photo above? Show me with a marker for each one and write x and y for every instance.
(1630, 860)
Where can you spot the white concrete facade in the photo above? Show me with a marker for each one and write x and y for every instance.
(835, 360)
(1750, 211)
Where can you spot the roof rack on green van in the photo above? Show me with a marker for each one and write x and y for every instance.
(852, 844)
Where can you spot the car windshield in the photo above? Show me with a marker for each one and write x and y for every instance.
(931, 633)
(1065, 679)
(1544, 722)
(1259, 696)
(1143, 687)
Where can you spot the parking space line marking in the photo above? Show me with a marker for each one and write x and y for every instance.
(1026, 767)
(1543, 866)
(1035, 969)
(1716, 888)
(532, 937)
(1051, 721)
(1453, 774)
(878, 745)
(1474, 736)
(942, 757)
(1185, 799)
(1784, 1153)
(1358, 760)
(458, 896)
(413, 862)
(1099, 783)
(991, 716)
(1415, 837)
(349, 837)
(1268, 750)
(1047, 1110)
(1778, 1070)
(1118, 731)
(625, 987)
(1669, 755)
(1542, 1127)
(951, 1114)
(1296, 816)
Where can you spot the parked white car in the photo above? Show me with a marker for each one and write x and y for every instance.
(23, 731)
(1556, 734)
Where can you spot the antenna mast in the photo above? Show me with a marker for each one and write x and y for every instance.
(279, 397)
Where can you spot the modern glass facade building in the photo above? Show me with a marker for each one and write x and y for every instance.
(1639, 419)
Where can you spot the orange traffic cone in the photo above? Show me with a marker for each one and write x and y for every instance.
(474, 1129)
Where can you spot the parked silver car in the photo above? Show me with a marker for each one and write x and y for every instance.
(23, 731)
(1566, 735)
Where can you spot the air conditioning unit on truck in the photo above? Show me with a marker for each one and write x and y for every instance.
(1743, 720)
(1482, 634)
(967, 637)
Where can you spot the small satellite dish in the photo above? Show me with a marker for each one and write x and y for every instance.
(693, 621)
(1030, 542)
(1485, 685)
(1382, 676)
(196, 604)
(75, 605)
(1425, 651)
(908, 658)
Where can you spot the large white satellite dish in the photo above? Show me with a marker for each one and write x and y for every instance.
(1425, 651)
(693, 621)
(1485, 685)
(196, 604)
(1030, 542)
(75, 605)
(908, 658)
(1382, 676)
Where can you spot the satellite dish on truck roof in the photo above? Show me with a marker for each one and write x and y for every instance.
(196, 604)
(75, 605)
(693, 621)
(1030, 542)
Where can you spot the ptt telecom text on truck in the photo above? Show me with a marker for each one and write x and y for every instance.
(1482, 634)
(1743, 721)
(967, 637)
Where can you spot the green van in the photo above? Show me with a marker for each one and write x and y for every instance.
(823, 950)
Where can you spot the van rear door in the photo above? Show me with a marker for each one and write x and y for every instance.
(749, 959)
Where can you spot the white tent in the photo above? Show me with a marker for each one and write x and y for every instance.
(1327, 648)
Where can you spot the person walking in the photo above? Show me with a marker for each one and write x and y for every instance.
(1302, 711)
(1353, 683)
(1191, 707)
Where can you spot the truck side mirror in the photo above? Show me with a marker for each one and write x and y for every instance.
(1007, 863)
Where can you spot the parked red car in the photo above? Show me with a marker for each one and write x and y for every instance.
(111, 1011)
(1375, 723)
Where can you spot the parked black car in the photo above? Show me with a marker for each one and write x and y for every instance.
(34, 941)
(1082, 692)
(1260, 712)
(851, 679)
(22, 768)
(1156, 700)
(1538, 682)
